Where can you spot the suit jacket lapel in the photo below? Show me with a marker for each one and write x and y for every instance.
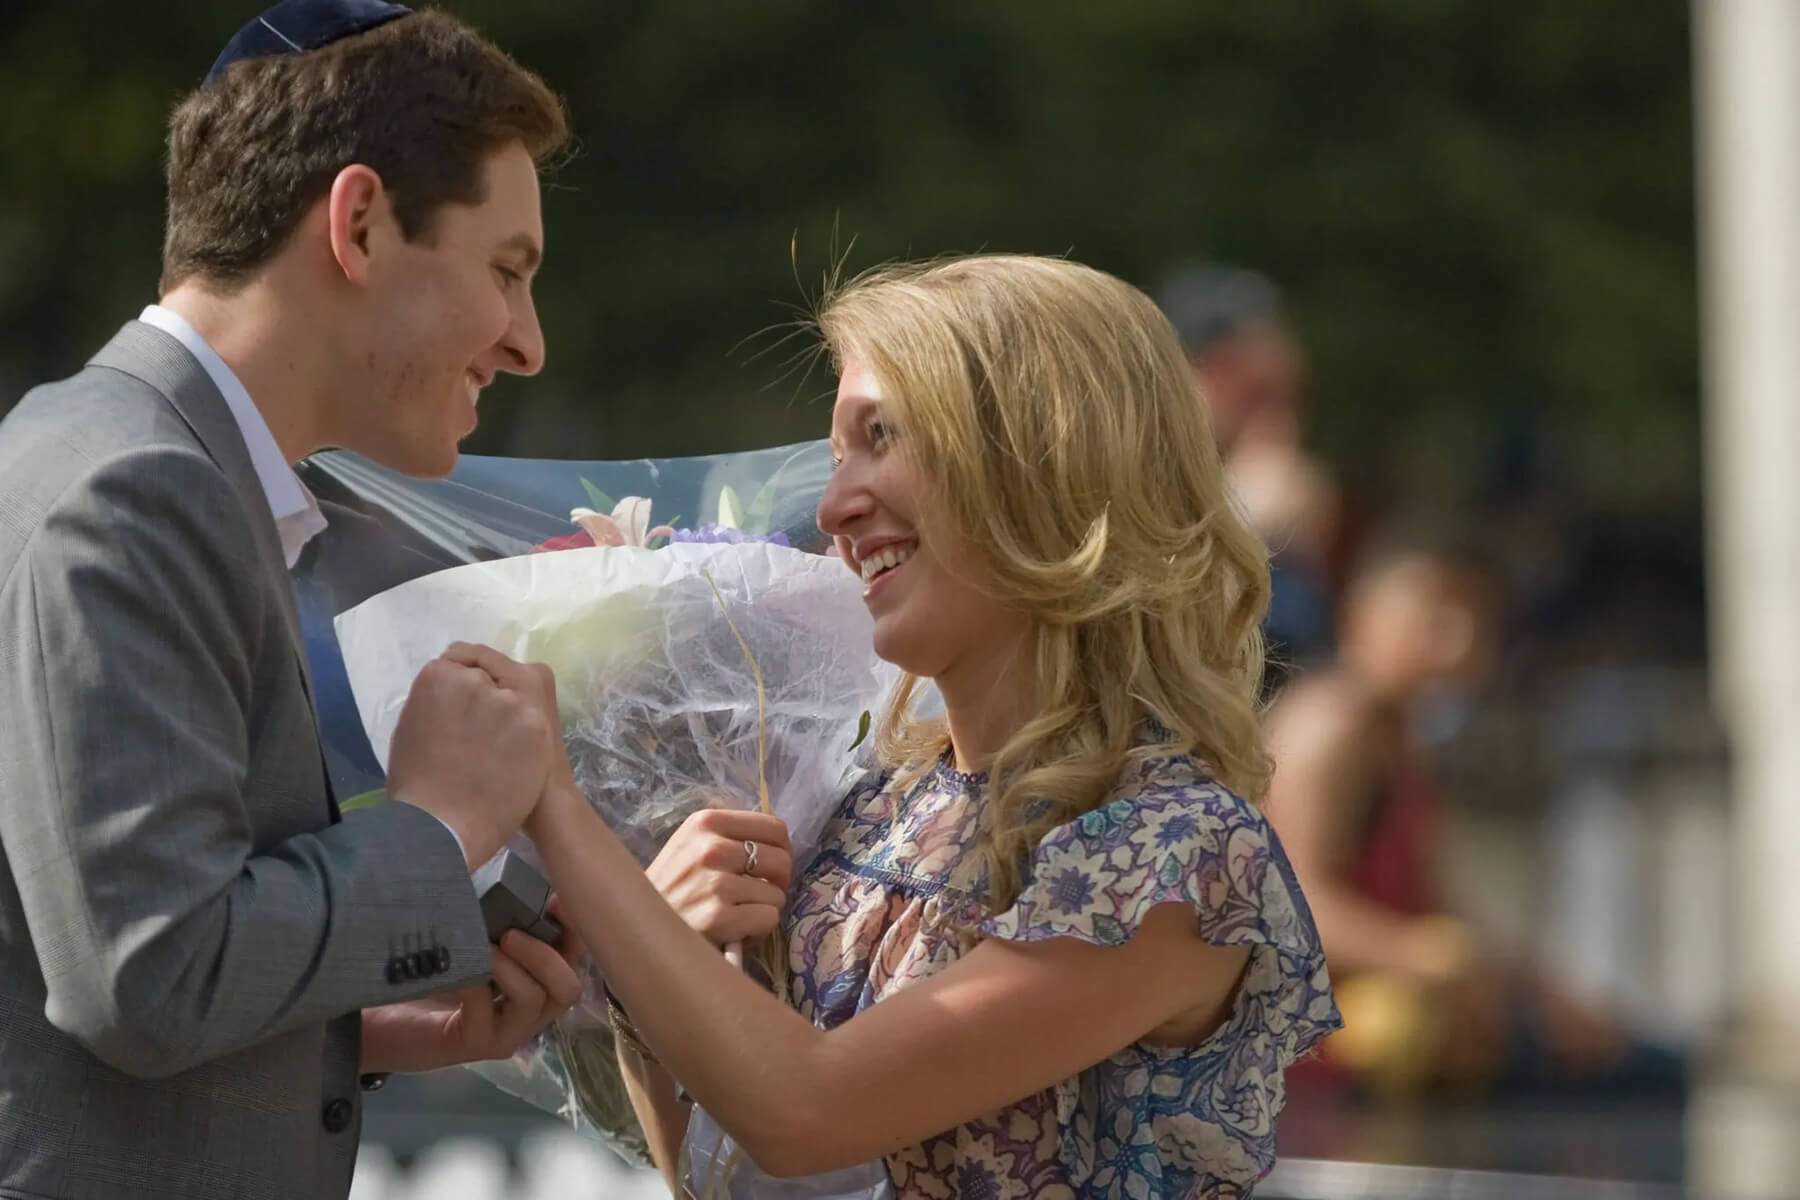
(147, 353)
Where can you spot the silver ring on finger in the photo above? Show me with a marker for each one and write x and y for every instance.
(750, 849)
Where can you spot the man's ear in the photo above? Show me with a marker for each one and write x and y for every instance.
(355, 212)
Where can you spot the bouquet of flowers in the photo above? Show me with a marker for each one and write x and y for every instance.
(724, 662)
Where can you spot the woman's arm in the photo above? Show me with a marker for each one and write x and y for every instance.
(700, 872)
(1005, 1022)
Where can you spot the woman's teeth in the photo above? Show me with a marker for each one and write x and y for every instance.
(884, 560)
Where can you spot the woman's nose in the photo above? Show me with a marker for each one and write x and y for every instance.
(845, 500)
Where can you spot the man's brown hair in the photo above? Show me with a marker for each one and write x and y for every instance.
(422, 100)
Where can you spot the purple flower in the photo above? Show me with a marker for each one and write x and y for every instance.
(1177, 829)
(976, 1183)
(1071, 891)
(727, 535)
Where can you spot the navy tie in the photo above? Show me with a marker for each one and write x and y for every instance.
(350, 766)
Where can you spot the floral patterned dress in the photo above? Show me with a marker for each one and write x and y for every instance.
(879, 907)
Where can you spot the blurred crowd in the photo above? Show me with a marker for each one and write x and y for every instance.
(1400, 630)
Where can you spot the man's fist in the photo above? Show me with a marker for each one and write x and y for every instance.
(474, 746)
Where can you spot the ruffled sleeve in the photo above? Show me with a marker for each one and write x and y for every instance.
(1180, 838)
(1157, 1120)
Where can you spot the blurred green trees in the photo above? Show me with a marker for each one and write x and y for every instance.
(1482, 209)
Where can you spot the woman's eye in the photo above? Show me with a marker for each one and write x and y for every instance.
(879, 432)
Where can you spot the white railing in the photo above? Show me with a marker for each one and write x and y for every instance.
(552, 1164)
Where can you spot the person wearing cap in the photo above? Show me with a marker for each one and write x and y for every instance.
(1250, 372)
(201, 960)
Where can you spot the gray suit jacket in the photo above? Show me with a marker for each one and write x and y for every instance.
(186, 936)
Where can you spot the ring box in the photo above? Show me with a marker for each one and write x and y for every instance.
(514, 895)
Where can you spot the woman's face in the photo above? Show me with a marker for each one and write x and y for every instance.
(932, 616)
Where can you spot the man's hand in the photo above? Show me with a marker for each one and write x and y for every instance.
(536, 983)
(474, 746)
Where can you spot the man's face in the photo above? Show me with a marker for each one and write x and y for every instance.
(447, 313)
(1251, 385)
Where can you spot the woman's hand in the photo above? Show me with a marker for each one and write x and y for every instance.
(725, 890)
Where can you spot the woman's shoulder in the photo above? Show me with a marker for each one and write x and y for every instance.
(1169, 833)
(1166, 798)
(1172, 834)
(1176, 781)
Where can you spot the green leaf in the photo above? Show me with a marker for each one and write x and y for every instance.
(731, 509)
(598, 500)
(762, 508)
(366, 800)
(862, 729)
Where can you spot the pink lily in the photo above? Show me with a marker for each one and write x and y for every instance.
(629, 524)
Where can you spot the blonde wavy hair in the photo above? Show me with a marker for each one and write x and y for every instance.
(1051, 408)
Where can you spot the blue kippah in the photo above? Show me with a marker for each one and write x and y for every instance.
(296, 26)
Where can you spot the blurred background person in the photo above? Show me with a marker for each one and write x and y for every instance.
(1361, 811)
(1251, 373)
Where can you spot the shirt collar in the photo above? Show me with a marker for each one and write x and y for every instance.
(296, 511)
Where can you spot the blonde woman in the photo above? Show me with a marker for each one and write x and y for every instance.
(1051, 948)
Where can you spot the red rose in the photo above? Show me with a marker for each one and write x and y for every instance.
(578, 540)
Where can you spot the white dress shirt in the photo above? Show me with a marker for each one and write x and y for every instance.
(296, 511)
(297, 516)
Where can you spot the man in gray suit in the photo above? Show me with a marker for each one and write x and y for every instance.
(199, 961)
